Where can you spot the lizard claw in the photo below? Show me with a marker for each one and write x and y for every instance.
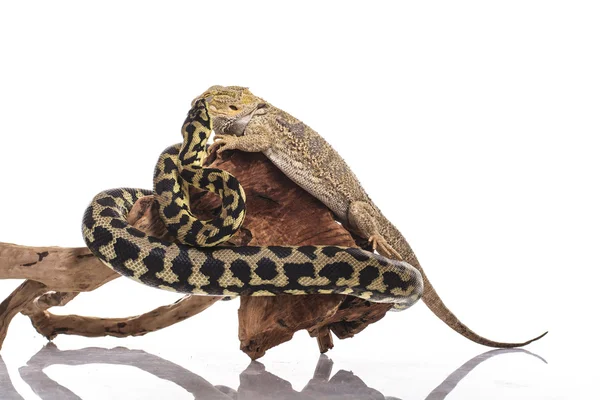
(213, 147)
(378, 242)
(373, 240)
(221, 143)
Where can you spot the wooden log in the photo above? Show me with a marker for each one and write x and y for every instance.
(278, 213)
(13, 304)
(51, 325)
(282, 213)
(61, 269)
(143, 216)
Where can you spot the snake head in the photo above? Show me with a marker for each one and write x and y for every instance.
(199, 111)
(231, 108)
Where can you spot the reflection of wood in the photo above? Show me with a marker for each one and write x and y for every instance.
(279, 213)
(34, 372)
(256, 383)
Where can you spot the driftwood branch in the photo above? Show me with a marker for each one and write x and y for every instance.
(279, 213)
(51, 325)
(13, 304)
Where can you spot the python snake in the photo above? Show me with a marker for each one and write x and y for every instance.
(195, 264)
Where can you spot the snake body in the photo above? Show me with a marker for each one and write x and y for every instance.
(194, 264)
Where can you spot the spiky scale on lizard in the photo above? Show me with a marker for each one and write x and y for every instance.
(246, 122)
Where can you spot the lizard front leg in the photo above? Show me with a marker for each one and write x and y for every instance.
(248, 143)
(362, 217)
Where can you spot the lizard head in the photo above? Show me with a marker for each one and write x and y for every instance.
(231, 108)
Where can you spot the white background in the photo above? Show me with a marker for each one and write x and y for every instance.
(472, 125)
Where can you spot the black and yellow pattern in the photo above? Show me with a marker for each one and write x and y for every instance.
(195, 265)
(180, 167)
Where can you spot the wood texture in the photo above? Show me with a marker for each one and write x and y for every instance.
(278, 213)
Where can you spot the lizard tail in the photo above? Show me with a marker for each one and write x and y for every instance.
(432, 299)
(435, 304)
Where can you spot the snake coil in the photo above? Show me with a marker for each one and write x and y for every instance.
(195, 264)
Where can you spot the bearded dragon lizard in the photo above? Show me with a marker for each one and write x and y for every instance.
(244, 122)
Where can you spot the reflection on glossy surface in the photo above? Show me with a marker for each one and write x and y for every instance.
(255, 382)
(454, 378)
(6, 387)
(46, 388)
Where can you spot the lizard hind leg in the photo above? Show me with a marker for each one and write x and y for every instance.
(362, 218)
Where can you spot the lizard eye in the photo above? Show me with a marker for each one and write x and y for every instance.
(234, 108)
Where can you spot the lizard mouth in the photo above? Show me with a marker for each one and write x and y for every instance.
(237, 127)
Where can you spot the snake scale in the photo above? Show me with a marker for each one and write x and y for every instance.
(195, 264)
